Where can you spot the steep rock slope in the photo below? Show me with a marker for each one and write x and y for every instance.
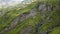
(40, 17)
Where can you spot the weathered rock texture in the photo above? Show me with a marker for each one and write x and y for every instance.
(40, 18)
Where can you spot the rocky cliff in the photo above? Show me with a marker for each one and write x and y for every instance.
(40, 17)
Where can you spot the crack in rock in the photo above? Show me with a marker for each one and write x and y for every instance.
(44, 10)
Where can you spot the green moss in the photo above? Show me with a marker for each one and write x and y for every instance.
(55, 31)
(10, 15)
(54, 22)
(6, 19)
(30, 21)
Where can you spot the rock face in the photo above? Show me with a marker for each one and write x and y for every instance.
(43, 11)
(41, 20)
(15, 21)
(27, 30)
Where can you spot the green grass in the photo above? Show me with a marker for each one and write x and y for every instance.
(55, 31)
(10, 15)
(54, 23)
(51, 23)
(30, 21)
